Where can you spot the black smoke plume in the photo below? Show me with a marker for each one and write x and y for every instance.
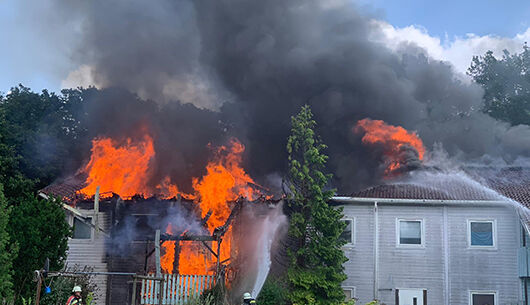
(242, 68)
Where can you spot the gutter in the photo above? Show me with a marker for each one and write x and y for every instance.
(345, 199)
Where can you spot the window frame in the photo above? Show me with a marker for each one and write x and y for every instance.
(353, 235)
(494, 233)
(91, 239)
(353, 290)
(422, 233)
(493, 292)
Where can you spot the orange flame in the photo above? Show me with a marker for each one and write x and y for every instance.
(393, 139)
(166, 260)
(119, 169)
(225, 181)
(123, 169)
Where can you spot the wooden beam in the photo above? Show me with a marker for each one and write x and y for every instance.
(166, 237)
(157, 253)
(176, 257)
(39, 285)
(208, 247)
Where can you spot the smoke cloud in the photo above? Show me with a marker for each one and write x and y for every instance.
(242, 68)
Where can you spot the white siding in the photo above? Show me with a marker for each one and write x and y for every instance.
(424, 267)
(484, 269)
(360, 264)
(91, 253)
(411, 268)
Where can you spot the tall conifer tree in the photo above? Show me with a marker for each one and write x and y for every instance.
(316, 272)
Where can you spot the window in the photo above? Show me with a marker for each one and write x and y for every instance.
(349, 293)
(411, 296)
(348, 233)
(410, 232)
(481, 233)
(482, 298)
(81, 229)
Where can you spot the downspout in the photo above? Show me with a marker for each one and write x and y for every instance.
(446, 254)
(376, 251)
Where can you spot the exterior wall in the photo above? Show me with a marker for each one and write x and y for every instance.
(484, 269)
(91, 253)
(411, 267)
(425, 267)
(360, 266)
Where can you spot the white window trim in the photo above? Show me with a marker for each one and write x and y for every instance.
(353, 290)
(472, 292)
(82, 240)
(422, 291)
(398, 233)
(494, 228)
(353, 240)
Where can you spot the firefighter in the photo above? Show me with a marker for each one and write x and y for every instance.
(75, 298)
(247, 299)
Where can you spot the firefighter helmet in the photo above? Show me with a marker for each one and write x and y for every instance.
(247, 296)
(76, 289)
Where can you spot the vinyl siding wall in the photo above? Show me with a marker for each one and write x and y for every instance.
(91, 253)
(424, 267)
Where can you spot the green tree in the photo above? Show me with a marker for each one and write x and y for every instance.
(38, 129)
(40, 229)
(316, 272)
(38, 132)
(15, 183)
(272, 293)
(7, 252)
(506, 84)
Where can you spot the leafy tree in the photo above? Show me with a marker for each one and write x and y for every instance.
(272, 293)
(7, 252)
(506, 83)
(316, 272)
(40, 229)
(37, 129)
(15, 183)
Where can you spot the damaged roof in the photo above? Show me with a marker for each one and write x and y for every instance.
(66, 188)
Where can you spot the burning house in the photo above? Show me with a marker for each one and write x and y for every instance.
(115, 217)
(177, 81)
(424, 234)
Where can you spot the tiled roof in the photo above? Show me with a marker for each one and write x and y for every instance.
(413, 191)
(473, 183)
(512, 182)
(66, 188)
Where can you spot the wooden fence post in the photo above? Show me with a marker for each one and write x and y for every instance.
(39, 284)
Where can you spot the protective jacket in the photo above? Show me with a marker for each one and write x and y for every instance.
(249, 301)
(73, 300)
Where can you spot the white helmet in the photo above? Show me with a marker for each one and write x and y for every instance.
(247, 296)
(76, 289)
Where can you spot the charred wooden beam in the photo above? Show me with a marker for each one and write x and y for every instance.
(166, 237)
(176, 257)
(206, 218)
(208, 247)
(220, 231)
